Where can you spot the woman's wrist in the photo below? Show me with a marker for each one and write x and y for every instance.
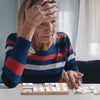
(28, 30)
(27, 37)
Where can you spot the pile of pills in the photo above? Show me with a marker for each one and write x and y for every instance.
(84, 90)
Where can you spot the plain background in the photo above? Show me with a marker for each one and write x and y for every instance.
(8, 13)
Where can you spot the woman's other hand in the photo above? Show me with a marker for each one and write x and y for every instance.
(72, 78)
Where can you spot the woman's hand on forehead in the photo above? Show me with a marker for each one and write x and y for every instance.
(40, 12)
(48, 6)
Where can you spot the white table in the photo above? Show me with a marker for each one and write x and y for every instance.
(14, 94)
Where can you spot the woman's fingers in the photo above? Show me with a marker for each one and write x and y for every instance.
(38, 14)
(65, 76)
(77, 77)
(72, 79)
(49, 14)
(41, 2)
(79, 82)
(48, 6)
(80, 74)
(41, 11)
(51, 11)
(50, 17)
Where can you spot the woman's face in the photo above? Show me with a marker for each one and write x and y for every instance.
(45, 31)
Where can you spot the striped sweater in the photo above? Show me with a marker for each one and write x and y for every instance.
(41, 67)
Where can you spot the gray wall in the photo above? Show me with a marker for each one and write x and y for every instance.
(8, 12)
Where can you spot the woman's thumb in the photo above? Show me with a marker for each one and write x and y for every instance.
(80, 74)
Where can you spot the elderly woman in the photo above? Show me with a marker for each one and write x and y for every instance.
(37, 53)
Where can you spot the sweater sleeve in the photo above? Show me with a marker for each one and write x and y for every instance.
(15, 60)
(70, 57)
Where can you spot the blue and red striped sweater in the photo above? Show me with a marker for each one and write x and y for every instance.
(41, 67)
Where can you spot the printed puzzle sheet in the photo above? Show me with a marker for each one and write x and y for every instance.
(44, 88)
